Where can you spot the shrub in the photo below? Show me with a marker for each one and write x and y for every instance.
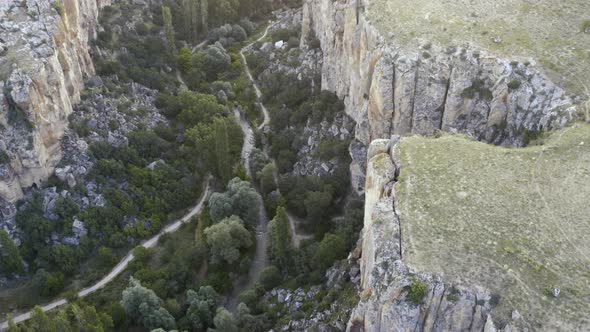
(494, 300)
(247, 25)
(59, 7)
(417, 292)
(284, 34)
(330, 249)
(270, 277)
(585, 26)
(477, 87)
(4, 159)
(514, 84)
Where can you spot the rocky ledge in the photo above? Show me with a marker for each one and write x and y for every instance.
(393, 296)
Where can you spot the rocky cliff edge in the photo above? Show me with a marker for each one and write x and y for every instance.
(44, 58)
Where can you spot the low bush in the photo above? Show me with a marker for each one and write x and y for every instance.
(417, 292)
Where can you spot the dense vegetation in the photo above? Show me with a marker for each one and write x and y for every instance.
(182, 283)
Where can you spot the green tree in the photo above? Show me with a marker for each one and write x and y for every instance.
(257, 161)
(75, 317)
(317, 205)
(219, 143)
(40, 322)
(201, 307)
(65, 258)
(222, 156)
(11, 261)
(247, 321)
(240, 199)
(213, 61)
(190, 18)
(330, 249)
(280, 239)
(225, 10)
(267, 178)
(270, 277)
(168, 28)
(183, 60)
(226, 239)
(145, 307)
(197, 108)
(106, 257)
(224, 321)
(204, 10)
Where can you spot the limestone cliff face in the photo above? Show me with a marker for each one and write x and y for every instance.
(386, 280)
(389, 90)
(44, 58)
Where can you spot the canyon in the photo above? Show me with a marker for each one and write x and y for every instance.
(391, 90)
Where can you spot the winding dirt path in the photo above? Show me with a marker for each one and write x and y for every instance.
(266, 120)
(150, 243)
(261, 259)
(248, 135)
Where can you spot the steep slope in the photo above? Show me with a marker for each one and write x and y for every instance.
(44, 58)
(392, 88)
(400, 78)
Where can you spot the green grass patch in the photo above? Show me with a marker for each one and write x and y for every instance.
(510, 220)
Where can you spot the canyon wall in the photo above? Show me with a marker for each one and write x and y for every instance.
(392, 90)
(44, 59)
(385, 279)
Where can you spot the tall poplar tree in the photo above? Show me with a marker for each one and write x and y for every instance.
(194, 12)
(222, 150)
(168, 28)
(280, 239)
(204, 9)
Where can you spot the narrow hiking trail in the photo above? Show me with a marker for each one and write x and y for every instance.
(266, 120)
(122, 265)
(261, 259)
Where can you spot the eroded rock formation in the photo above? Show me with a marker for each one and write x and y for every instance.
(390, 90)
(44, 59)
(393, 90)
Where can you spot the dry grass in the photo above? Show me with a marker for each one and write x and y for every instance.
(547, 31)
(515, 221)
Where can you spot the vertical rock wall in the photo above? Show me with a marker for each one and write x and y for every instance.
(44, 58)
(389, 90)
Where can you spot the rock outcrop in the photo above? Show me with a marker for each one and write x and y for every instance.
(386, 281)
(44, 59)
(389, 90)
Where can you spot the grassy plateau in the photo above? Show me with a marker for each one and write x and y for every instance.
(515, 221)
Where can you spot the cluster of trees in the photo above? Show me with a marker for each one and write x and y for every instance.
(10, 259)
(194, 18)
(146, 58)
(200, 311)
(202, 138)
(73, 317)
